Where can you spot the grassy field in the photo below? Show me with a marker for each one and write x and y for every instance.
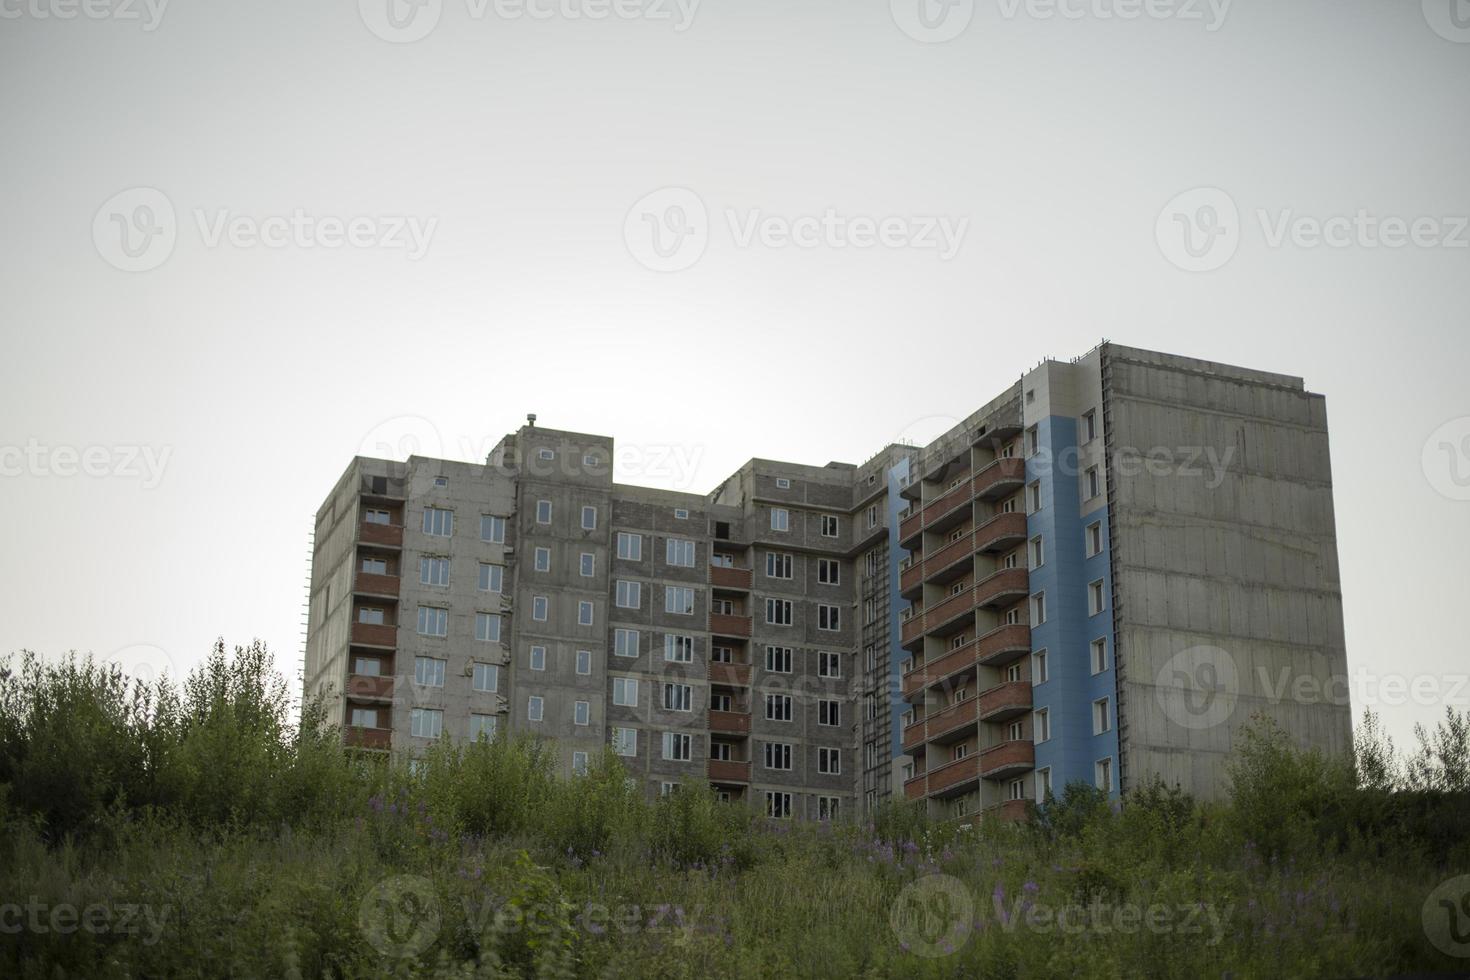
(192, 831)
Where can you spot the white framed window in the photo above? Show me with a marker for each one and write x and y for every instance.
(433, 571)
(587, 564)
(778, 805)
(535, 706)
(1033, 496)
(372, 616)
(827, 807)
(1094, 538)
(829, 571)
(492, 577)
(433, 621)
(1038, 609)
(1095, 597)
(487, 627)
(543, 559)
(628, 595)
(829, 712)
(438, 522)
(428, 671)
(679, 552)
(679, 600)
(1102, 719)
(625, 691)
(538, 658)
(959, 752)
(492, 529)
(1099, 655)
(482, 725)
(778, 565)
(625, 741)
(1094, 483)
(625, 643)
(590, 462)
(678, 648)
(1089, 425)
(1041, 725)
(1016, 789)
(829, 761)
(546, 454)
(539, 605)
(678, 747)
(782, 483)
(367, 666)
(872, 516)
(579, 759)
(778, 612)
(372, 515)
(589, 518)
(829, 526)
(780, 519)
(585, 613)
(778, 660)
(543, 512)
(426, 723)
(1039, 670)
(630, 546)
(681, 514)
(778, 755)
(829, 617)
(1038, 552)
(1043, 784)
(1103, 774)
(486, 678)
(668, 788)
(778, 707)
(678, 697)
(582, 713)
(829, 663)
(584, 661)
(373, 566)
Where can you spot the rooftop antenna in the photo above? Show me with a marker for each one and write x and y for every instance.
(531, 419)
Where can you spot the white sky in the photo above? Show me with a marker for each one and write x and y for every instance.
(260, 371)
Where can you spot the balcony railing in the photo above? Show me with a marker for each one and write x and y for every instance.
(724, 577)
(728, 771)
(369, 687)
(727, 625)
(939, 615)
(1002, 588)
(1005, 475)
(385, 535)
(952, 774)
(938, 669)
(1008, 759)
(735, 675)
(1011, 811)
(373, 584)
(729, 722)
(936, 510)
(1005, 701)
(1001, 532)
(368, 738)
(1002, 645)
(374, 634)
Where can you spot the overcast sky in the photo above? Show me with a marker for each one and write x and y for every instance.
(245, 241)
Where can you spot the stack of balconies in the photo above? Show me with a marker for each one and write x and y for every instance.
(375, 642)
(731, 679)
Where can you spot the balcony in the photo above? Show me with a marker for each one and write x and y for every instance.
(948, 665)
(734, 675)
(952, 722)
(367, 687)
(375, 635)
(943, 511)
(1008, 759)
(729, 722)
(724, 624)
(380, 585)
(728, 771)
(1001, 533)
(940, 616)
(954, 777)
(943, 565)
(1011, 811)
(385, 535)
(1005, 701)
(1003, 588)
(1004, 476)
(913, 789)
(723, 577)
(913, 736)
(368, 738)
(1003, 645)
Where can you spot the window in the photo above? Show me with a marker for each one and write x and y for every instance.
(374, 516)
(543, 512)
(579, 759)
(630, 546)
(433, 621)
(438, 522)
(1103, 774)
(681, 514)
(829, 664)
(585, 614)
(584, 661)
(1101, 719)
(625, 691)
(625, 643)
(778, 707)
(1038, 609)
(364, 717)
(370, 616)
(827, 807)
(487, 627)
(534, 708)
(1093, 484)
(374, 566)
(1039, 674)
(1095, 597)
(1015, 731)
(482, 725)
(678, 697)
(492, 529)
(778, 805)
(367, 667)
(778, 612)
(667, 788)
(778, 565)
(1043, 784)
(959, 752)
(719, 702)
(629, 595)
(1013, 673)
(486, 678)
(778, 660)
(582, 713)
(719, 751)
(679, 552)
(1099, 655)
(492, 578)
(543, 559)
(828, 571)
(677, 747)
(433, 571)
(678, 648)
(829, 617)
(538, 608)
(780, 519)
(778, 755)
(1016, 789)
(1038, 552)
(872, 516)
(679, 600)
(829, 761)
(538, 658)
(426, 723)
(723, 654)
(625, 741)
(1033, 497)
(829, 712)
(589, 518)
(829, 526)
(782, 483)
(545, 454)
(589, 461)
(719, 560)
(1033, 441)
(588, 565)
(1094, 538)
(1041, 726)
